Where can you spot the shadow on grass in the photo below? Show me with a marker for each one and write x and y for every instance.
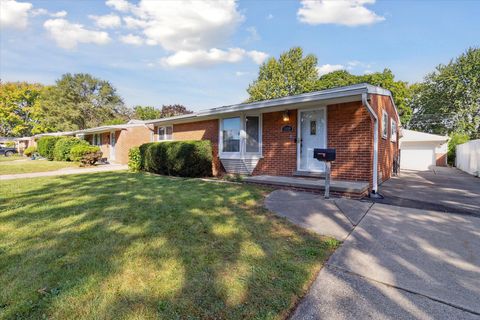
(123, 245)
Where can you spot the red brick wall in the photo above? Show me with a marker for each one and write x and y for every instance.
(279, 148)
(350, 132)
(441, 159)
(387, 149)
(125, 139)
(201, 130)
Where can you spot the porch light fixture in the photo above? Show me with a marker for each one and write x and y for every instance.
(286, 116)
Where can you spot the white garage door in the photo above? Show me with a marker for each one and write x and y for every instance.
(417, 156)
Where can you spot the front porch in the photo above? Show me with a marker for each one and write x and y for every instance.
(351, 189)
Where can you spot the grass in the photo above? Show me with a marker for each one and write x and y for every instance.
(12, 158)
(28, 166)
(125, 245)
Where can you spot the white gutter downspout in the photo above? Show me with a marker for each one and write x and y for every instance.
(375, 142)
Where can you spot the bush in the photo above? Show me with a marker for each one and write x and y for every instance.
(87, 155)
(46, 145)
(63, 146)
(177, 158)
(10, 144)
(134, 159)
(30, 151)
(455, 139)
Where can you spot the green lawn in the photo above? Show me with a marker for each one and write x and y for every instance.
(122, 245)
(14, 157)
(28, 166)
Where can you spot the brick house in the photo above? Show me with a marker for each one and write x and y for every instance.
(277, 137)
(116, 140)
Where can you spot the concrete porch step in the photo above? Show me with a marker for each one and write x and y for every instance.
(319, 175)
(354, 189)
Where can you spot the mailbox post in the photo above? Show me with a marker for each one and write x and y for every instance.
(327, 156)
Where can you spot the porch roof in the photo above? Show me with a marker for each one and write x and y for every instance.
(347, 93)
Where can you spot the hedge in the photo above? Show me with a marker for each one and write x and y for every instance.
(177, 158)
(134, 159)
(64, 145)
(29, 151)
(86, 154)
(46, 145)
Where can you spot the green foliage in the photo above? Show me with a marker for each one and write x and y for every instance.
(85, 154)
(114, 122)
(46, 146)
(291, 74)
(386, 79)
(10, 144)
(455, 140)
(149, 113)
(19, 112)
(294, 74)
(146, 113)
(80, 101)
(178, 158)
(448, 100)
(63, 146)
(30, 151)
(134, 159)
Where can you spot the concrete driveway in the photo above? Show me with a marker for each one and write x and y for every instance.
(441, 189)
(401, 263)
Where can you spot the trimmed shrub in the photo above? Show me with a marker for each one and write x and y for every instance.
(10, 144)
(177, 158)
(134, 159)
(61, 152)
(29, 151)
(46, 145)
(87, 155)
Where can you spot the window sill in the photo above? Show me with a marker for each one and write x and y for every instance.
(240, 156)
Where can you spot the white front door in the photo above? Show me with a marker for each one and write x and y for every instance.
(112, 146)
(312, 133)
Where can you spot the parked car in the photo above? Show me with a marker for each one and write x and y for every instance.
(7, 152)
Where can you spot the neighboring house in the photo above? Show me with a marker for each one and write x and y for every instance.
(277, 137)
(422, 151)
(116, 140)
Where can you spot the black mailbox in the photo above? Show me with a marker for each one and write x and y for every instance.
(327, 155)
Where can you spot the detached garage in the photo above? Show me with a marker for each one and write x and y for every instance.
(422, 151)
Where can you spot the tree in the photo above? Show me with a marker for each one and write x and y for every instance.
(173, 110)
(18, 109)
(291, 74)
(448, 100)
(80, 101)
(146, 113)
(386, 79)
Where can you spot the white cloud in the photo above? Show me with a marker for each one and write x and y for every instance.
(106, 21)
(344, 12)
(240, 73)
(59, 14)
(254, 36)
(257, 56)
(68, 35)
(327, 68)
(14, 14)
(183, 25)
(38, 12)
(120, 5)
(132, 39)
(133, 23)
(270, 16)
(202, 58)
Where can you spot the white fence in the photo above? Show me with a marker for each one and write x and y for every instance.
(468, 157)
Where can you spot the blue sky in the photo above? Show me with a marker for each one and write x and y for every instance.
(204, 55)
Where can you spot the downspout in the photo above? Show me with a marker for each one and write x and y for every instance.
(375, 142)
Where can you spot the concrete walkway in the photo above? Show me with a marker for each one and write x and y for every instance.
(397, 263)
(65, 171)
(335, 217)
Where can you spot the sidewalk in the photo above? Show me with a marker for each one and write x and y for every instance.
(65, 171)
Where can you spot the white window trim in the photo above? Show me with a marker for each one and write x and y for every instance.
(393, 133)
(384, 124)
(243, 154)
(97, 139)
(165, 129)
